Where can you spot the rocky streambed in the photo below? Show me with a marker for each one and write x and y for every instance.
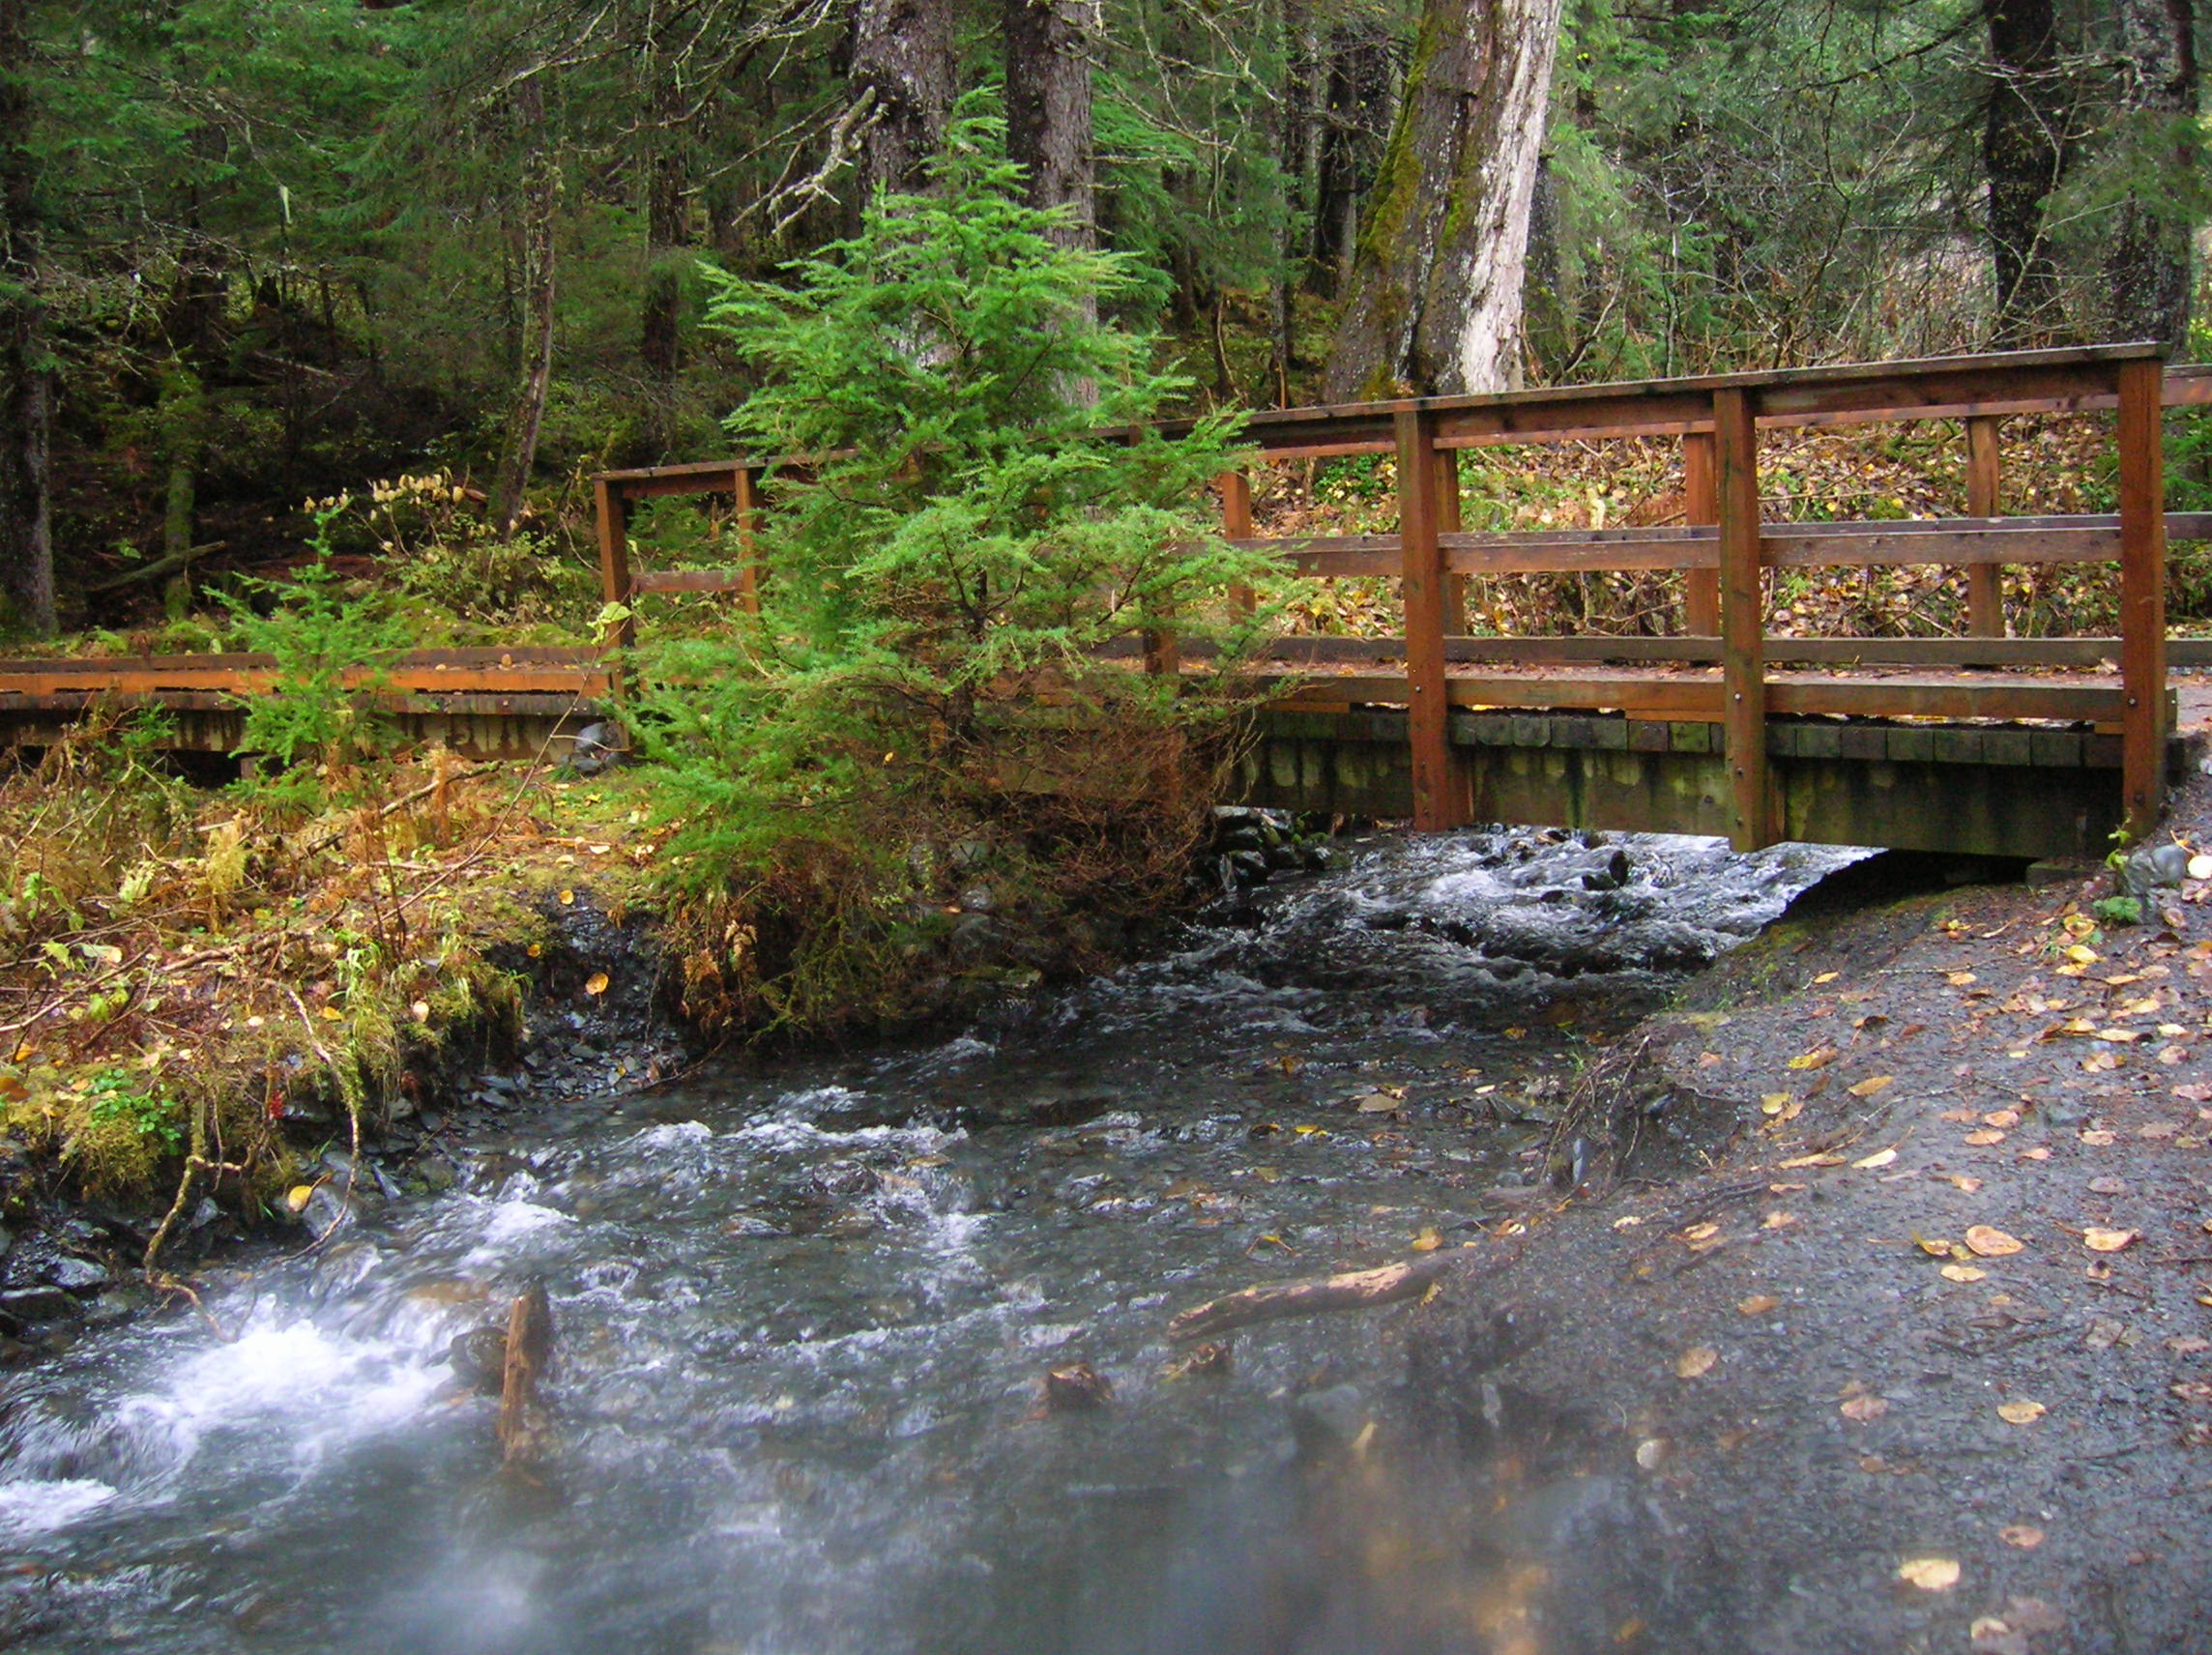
(806, 1311)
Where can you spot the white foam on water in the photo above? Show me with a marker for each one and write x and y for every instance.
(509, 1222)
(41, 1506)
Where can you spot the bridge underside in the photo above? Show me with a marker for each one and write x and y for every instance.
(1961, 788)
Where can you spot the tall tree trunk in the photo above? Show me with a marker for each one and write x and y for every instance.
(533, 366)
(668, 202)
(2148, 267)
(26, 378)
(2025, 149)
(1436, 295)
(1050, 46)
(902, 64)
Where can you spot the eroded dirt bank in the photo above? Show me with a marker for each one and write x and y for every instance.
(1893, 1333)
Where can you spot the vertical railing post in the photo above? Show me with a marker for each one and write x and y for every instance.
(747, 515)
(1436, 803)
(1985, 582)
(1237, 525)
(2143, 591)
(1701, 505)
(1742, 618)
(1448, 523)
(613, 513)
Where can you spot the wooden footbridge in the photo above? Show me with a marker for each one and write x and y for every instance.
(1982, 742)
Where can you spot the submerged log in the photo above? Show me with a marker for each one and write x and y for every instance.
(529, 1354)
(1351, 1291)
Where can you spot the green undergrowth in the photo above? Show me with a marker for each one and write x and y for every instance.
(197, 983)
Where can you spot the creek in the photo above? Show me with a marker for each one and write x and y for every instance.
(805, 1310)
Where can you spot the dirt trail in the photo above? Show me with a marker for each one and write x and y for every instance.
(1923, 1358)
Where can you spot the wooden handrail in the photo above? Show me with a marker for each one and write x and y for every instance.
(1722, 547)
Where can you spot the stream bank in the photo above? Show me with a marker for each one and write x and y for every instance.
(1913, 1353)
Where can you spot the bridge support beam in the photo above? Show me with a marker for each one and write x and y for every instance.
(2143, 590)
(1440, 786)
(1743, 618)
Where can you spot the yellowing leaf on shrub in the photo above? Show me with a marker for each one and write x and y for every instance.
(1870, 1085)
(2021, 1412)
(2099, 1240)
(296, 1198)
(1989, 1242)
(1697, 1360)
(596, 984)
(1929, 1573)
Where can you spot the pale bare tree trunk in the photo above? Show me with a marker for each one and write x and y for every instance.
(26, 381)
(903, 66)
(533, 366)
(1436, 292)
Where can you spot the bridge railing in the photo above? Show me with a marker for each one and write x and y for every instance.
(1724, 549)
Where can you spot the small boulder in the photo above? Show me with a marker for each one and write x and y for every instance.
(1075, 1387)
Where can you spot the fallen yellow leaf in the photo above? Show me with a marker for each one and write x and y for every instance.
(1428, 1240)
(2007, 1118)
(1880, 1158)
(1774, 1103)
(1700, 1231)
(1870, 1085)
(596, 984)
(1697, 1360)
(1818, 1058)
(1757, 1304)
(1863, 1408)
(1961, 1273)
(1929, 1573)
(296, 1198)
(1961, 979)
(1821, 1160)
(568, 898)
(2025, 1535)
(2107, 1240)
(1826, 978)
(2021, 1412)
(1992, 1243)
(1984, 1138)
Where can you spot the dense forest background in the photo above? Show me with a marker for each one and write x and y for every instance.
(256, 252)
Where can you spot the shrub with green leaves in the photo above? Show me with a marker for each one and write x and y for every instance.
(969, 511)
(331, 647)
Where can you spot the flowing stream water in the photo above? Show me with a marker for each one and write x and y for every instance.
(805, 1310)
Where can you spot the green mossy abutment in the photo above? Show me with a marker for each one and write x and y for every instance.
(1969, 789)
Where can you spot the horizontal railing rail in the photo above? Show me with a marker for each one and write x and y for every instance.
(1725, 667)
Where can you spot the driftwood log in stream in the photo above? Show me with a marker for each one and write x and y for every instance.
(529, 1353)
(1351, 1291)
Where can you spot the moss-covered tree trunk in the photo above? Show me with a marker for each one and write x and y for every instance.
(2025, 145)
(903, 68)
(1436, 287)
(533, 366)
(26, 379)
(2148, 267)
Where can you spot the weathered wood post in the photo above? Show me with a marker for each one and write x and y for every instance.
(1237, 525)
(1448, 523)
(1701, 505)
(2143, 590)
(1742, 618)
(1985, 582)
(613, 512)
(1437, 783)
(747, 515)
